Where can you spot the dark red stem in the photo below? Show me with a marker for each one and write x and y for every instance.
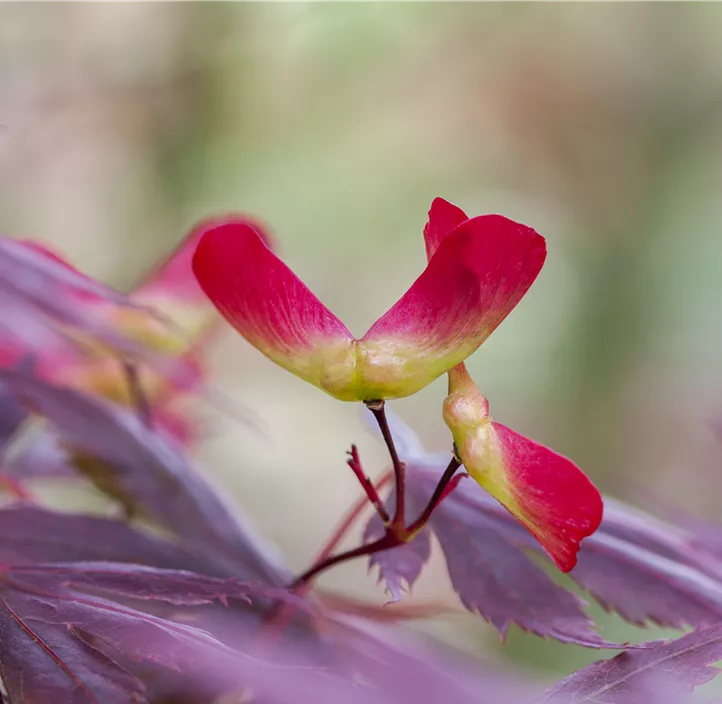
(392, 538)
(436, 498)
(388, 541)
(397, 533)
(399, 520)
(355, 463)
(281, 613)
(348, 520)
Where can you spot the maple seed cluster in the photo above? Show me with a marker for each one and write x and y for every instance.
(96, 383)
(478, 269)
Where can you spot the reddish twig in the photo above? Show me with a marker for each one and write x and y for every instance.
(279, 616)
(389, 540)
(446, 485)
(397, 532)
(355, 463)
(346, 522)
(393, 537)
(399, 520)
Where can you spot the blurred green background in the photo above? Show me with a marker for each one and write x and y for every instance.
(600, 125)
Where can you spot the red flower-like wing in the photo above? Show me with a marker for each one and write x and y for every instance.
(552, 497)
(474, 280)
(444, 217)
(271, 307)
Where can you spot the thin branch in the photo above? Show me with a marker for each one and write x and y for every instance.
(439, 494)
(355, 463)
(281, 612)
(346, 522)
(388, 541)
(377, 408)
(392, 538)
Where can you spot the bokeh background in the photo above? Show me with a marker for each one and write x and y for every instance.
(600, 125)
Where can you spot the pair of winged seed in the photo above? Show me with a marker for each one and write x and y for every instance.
(478, 270)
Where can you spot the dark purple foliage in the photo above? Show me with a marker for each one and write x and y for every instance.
(398, 568)
(373, 665)
(39, 292)
(141, 582)
(493, 578)
(99, 611)
(643, 569)
(146, 471)
(32, 534)
(640, 583)
(488, 572)
(46, 303)
(61, 643)
(12, 414)
(663, 674)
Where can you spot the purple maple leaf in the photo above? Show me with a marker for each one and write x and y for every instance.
(32, 534)
(39, 292)
(63, 642)
(150, 473)
(398, 568)
(662, 673)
